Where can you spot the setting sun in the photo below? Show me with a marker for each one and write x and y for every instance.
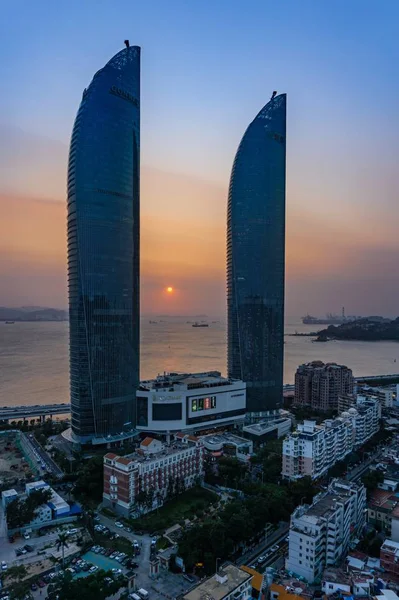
(169, 290)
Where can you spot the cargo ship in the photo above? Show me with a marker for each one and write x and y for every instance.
(199, 325)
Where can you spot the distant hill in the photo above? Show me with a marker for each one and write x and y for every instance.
(367, 329)
(32, 313)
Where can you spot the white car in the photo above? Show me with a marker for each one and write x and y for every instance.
(3, 565)
(72, 531)
(93, 569)
(27, 535)
(118, 524)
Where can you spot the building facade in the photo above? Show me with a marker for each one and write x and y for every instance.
(103, 252)
(256, 259)
(313, 449)
(175, 402)
(320, 534)
(157, 469)
(319, 385)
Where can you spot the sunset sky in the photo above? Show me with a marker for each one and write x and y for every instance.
(207, 68)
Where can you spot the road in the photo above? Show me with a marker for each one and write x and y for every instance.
(276, 537)
(46, 459)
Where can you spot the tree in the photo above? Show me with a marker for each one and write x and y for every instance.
(150, 499)
(62, 543)
(98, 586)
(21, 512)
(89, 482)
(141, 500)
(371, 480)
(16, 574)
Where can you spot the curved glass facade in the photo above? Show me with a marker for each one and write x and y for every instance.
(103, 250)
(255, 258)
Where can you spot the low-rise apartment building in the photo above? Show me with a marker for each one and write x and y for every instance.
(157, 469)
(320, 533)
(383, 512)
(229, 583)
(313, 449)
(319, 385)
(389, 557)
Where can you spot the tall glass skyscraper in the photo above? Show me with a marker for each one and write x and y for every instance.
(255, 259)
(103, 252)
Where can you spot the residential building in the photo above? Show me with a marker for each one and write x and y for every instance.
(256, 259)
(344, 582)
(103, 253)
(8, 496)
(383, 512)
(156, 468)
(175, 402)
(389, 557)
(48, 512)
(385, 395)
(44, 514)
(227, 444)
(229, 583)
(263, 431)
(313, 449)
(319, 385)
(320, 534)
(386, 594)
(277, 591)
(57, 504)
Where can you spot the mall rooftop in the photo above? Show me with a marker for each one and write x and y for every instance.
(173, 382)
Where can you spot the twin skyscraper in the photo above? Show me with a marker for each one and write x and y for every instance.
(104, 255)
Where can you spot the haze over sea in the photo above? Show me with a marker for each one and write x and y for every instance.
(34, 356)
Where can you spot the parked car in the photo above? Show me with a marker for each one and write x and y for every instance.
(28, 548)
(41, 583)
(119, 524)
(33, 587)
(4, 566)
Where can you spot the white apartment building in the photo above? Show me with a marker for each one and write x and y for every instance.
(313, 449)
(157, 468)
(320, 533)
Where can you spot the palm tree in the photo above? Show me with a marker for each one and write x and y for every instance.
(62, 543)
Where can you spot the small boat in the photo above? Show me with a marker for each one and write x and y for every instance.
(10, 322)
(196, 324)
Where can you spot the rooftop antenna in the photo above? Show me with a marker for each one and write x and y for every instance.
(273, 95)
(127, 44)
